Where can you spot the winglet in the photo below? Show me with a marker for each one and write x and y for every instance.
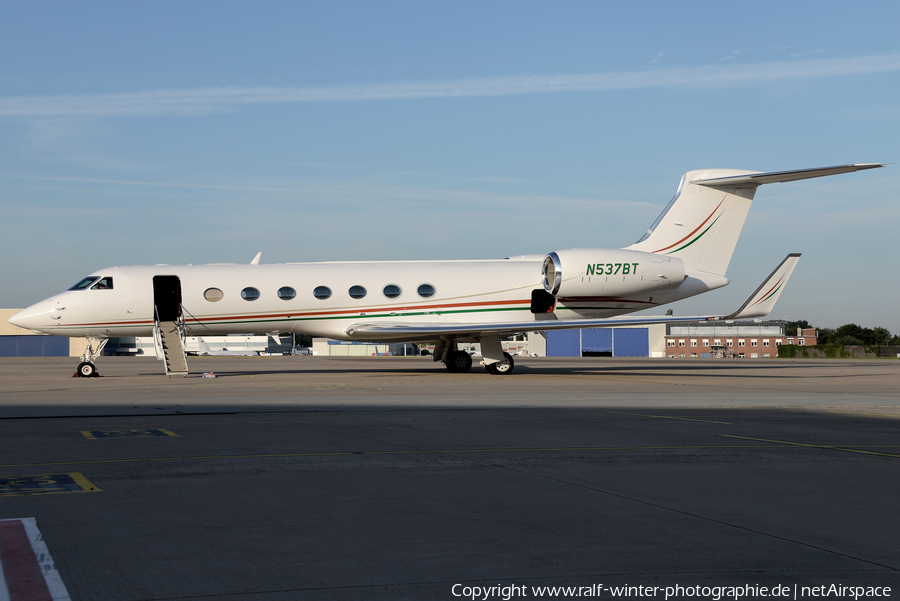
(762, 301)
(255, 260)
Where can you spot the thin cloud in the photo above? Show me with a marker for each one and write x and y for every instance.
(207, 100)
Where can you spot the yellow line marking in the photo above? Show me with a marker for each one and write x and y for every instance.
(862, 413)
(687, 419)
(816, 446)
(326, 421)
(410, 452)
(167, 432)
(87, 434)
(84, 483)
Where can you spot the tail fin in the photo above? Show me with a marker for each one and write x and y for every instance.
(702, 223)
(204, 348)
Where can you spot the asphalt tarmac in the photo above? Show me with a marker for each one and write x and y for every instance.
(390, 478)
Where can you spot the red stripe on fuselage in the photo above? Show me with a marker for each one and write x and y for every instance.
(292, 314)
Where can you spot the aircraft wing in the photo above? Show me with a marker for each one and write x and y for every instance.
(759, 304)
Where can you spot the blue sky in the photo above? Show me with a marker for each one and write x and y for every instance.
(195, 132)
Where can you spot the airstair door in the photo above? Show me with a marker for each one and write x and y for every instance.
(167, 297)
(169, 328)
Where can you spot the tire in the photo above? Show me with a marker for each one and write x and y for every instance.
(502, 368)
(459, 362)
(86, 370)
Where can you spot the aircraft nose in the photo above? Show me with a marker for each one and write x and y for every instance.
(36, 317)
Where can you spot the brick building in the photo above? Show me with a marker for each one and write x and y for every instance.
(737, 339)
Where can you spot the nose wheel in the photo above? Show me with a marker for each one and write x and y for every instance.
(86, 370)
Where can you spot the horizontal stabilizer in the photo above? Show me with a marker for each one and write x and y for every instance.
(757, 179)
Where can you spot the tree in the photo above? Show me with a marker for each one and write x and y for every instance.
(793, 327)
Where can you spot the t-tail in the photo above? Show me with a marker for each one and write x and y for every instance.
(702, 223)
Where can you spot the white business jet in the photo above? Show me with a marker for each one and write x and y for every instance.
(685, 252)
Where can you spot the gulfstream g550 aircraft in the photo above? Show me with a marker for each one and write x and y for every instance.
(684, 253)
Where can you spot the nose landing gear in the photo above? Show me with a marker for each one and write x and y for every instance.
(87, 369)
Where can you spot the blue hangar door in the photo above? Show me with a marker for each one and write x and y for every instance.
(599, 342)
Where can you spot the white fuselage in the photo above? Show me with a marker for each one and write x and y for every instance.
(489, 291)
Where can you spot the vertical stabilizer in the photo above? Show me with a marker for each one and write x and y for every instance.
(701, 224)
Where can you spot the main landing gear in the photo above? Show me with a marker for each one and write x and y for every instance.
(87, 369)
(495, 360)
(458, 362)
(501, 368)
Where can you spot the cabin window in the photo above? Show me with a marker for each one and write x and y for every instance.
(322, 292)
(213, 295)
(426, 290)
(286, 293)
(392, 291)
(357, 292)
(104, 283)
(85, 283)
(250, 294)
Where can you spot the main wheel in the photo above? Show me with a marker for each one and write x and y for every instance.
(501, 367)
(86, 370)
(459, 362)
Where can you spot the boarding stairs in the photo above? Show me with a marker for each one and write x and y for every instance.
(169, 339)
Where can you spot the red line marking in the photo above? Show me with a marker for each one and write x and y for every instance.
(24, 578)
(767, 293)
(292, 314)
(698, 227)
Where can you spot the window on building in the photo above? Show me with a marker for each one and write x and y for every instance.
(753, 342)
(670, 343)
(729, 343)
(693, 343)
(801, 341)
(741, 342)
(766, 342)
(693, 355)
(681, 343)
(778, 342)
(790, 341)
(706, 342)
(717, 342)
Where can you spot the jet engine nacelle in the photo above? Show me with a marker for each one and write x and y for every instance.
(593, 272)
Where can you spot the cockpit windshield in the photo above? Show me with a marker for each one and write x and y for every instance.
(85, 283)
(94, 283)
(105, 283)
